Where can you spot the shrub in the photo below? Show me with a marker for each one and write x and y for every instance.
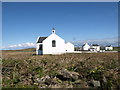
(44, 62)
(71, 68)
(39, 71)
(112, 65)
(53, 73)
(96, 73)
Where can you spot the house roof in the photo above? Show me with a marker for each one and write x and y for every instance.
(92, 48)
(85, 44)
(108, 45)
(41, 39)
(95, 45)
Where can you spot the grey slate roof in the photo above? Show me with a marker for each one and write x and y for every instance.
(83, 45)
(95, 45)
(108, 45)
(41, 39)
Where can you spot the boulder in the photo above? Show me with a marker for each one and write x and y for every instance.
(56, 80)
(80, 83)
(95, 83)
(44, 80)
(104, 79)
(68, 75)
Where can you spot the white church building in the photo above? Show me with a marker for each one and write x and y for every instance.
(53, 44)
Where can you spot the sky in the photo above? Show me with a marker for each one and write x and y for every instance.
(23, 22)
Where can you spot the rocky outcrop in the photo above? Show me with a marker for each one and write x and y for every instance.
(68, 75)
(94, 83)
(45, 80)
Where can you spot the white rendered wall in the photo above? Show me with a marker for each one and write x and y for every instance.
(96, 47)
(69, 47)
(94, 50)
(37, 49)
(86, 47)
(47, 45)
(108, 48)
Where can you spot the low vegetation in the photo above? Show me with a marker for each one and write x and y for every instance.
(116, 49)
(24, 69)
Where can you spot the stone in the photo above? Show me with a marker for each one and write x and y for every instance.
(56, 80)
(81, 84)
(48, 80)
(95, 83)
(78, 82)
(30, 76)
(74, 75)
(104, 79)
(68, 75)
(38, 80)
(44, 80)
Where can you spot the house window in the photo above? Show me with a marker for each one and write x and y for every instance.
(53, 43)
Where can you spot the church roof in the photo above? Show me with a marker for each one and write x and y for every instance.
(41, 39)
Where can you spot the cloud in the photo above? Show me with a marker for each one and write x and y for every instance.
(19, 46)
(106, 41)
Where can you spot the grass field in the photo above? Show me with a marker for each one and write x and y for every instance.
(23, 69)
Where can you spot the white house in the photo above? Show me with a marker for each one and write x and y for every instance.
(86, 47)
(109, 47)
(53, 44)
(69, 47)
(95, 47)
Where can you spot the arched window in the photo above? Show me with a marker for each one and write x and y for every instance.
(53, 43)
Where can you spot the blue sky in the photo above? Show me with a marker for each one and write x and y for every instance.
(24, 22)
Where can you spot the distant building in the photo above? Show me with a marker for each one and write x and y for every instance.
(69, 47)
(53, 44)
(95, 47)
(86, 47)
(102, 48)
(109, 47)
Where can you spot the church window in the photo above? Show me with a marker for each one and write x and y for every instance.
(53, 43)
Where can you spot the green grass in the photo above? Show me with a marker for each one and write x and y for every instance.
(116, 48)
